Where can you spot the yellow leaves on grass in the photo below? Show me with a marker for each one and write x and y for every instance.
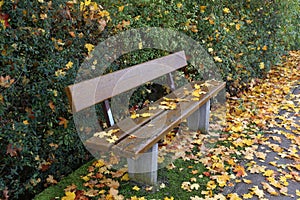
(202, 9)
(262, 65)
(62, 72)
(1, 3)
(218, 59)
(92, 11)
(223, 179)
(226, 10)
(179, 5)
(69, 196)
(136, 188)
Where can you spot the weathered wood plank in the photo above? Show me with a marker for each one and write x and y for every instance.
(128, 125)
(151, 133)
(90, 92)
(151, 129)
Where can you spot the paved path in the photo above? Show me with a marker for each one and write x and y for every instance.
(283, 141)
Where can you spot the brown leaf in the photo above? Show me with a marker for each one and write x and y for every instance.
(63, 121)
(70, 188)
(113, 192)
(91, 193)
(12, 151)
(119, 173)
(113, 184)
(5, 193)
(51, 180)
(240, 171)
(72, 34)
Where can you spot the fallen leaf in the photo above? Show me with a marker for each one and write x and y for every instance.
(269, 189)
(136, 188)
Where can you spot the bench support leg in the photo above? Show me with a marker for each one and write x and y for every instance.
(144, 169)
(199, 120)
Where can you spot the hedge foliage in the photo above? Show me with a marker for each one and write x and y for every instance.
(43, 43)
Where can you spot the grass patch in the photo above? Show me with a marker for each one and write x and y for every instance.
(57, 191)
(169, 183)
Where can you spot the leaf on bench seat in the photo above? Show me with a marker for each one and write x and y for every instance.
(175, 100)
(135, 115)
(108, 135)
(198, 92)
(165, 105)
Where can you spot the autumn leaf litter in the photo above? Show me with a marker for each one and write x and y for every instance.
(261, 138)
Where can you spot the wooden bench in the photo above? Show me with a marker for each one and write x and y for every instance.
(137, 139)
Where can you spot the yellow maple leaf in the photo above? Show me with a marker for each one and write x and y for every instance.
(137, 198)
(167, 198)
(196, 86)
(247, 181)
(211, 185)
(298, 193)
(202, 9)
(125, 177)
(89, 47)
(247, 196)
(269, 189)
(25, 122)
(87, 2)
(113, 131)
(121, 8)
(196, 93)
(69, 196)
(195, 186)
(234, 196)
(99, 163)
(262, 65)
(240, 171)
(265, 48)
(268, 173)
(145, 114)
(134, 116)
(222, 179)
(179, 5)
(258, 192)
(226, 10)
(69, 65)
(152, 107)
(136, 188)
(85, 178)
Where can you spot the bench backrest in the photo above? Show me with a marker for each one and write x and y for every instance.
(90, 92)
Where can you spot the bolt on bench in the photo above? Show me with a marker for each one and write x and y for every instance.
(137, 137)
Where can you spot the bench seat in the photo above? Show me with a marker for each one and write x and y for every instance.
(138, 135)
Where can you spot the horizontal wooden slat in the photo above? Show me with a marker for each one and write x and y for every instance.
(151, 130)
(90, 92)
(128, 125)
(147, 136)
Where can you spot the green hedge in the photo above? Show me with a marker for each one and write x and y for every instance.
(42, 49)
(43, 43)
